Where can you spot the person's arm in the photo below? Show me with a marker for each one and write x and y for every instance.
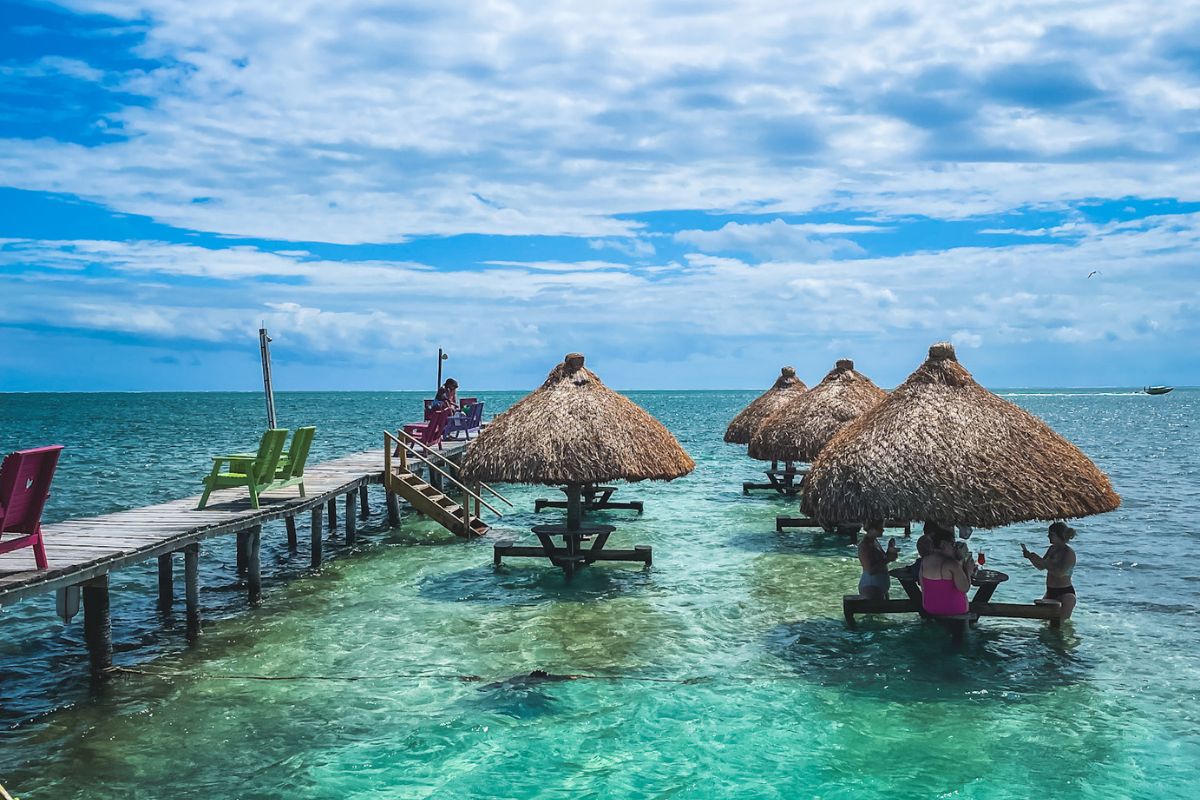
(1034, 558)
(961, 581)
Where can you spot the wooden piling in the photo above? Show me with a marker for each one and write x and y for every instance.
(291, 532)
(191, 582)
(332, 514)
(166, 580)
(351, 528)
(97, 625)
(364, 510)
(242, 550)
(254, 564)
(393, 509)
(315, 538)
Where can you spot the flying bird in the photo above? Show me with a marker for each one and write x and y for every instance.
(1093, 272)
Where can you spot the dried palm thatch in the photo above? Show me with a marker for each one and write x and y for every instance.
(787, 387)
(798, 430)
(941, 447)
(575, 430)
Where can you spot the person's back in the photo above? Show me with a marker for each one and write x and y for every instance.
(944, 584)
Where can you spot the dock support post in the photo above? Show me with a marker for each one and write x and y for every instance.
(191, 582)
(363, 510)
(242, 550)
(97, 625)
(291, 532)
(254, 564)
(315, 539)
(166, 588)
(393, 509)
(332, 514)
(350, 526)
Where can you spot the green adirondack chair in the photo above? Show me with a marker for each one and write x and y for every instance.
(255, 473)
(290, 471)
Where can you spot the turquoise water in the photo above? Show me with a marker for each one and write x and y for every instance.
(723, 671)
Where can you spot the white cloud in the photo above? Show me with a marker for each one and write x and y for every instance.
(352, 122)
(769, 240)
(966, 338)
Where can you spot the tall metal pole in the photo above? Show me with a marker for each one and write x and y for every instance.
(441, 357)
(264, 345)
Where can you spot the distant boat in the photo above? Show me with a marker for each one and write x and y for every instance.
(1158, 389)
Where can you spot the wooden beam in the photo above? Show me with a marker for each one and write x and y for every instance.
(332, 514)
(351, 527)
(166, 581)
(242, 550)
(254, 564)
(191, 582)
(364, 510)
(97, 625)
(291, 532)
(315, 539)
(393, 509)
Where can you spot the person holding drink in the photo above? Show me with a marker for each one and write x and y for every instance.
(1059, 562)
(875, 581)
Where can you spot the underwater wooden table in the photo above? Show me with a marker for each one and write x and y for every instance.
(571, 556)
(985, 581)
(594, 497)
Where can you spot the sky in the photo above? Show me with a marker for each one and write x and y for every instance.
(693, 194)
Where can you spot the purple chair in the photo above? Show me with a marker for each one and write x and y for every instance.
(466, 422)
(25, 479)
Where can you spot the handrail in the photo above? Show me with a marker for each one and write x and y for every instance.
(447, 459)
(387, 465)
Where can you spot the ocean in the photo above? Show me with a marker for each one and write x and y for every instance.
(725, 670)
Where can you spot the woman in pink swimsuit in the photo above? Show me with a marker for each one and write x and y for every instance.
(944, 582)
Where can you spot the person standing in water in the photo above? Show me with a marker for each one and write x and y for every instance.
(1059, 563)
(875, 581)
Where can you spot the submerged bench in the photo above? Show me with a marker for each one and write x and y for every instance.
(782, 523)
(571, 556)
(856, 604)
(784, 481)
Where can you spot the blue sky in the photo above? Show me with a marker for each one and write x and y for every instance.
(692, 194)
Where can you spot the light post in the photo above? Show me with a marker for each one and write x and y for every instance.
(442, 356)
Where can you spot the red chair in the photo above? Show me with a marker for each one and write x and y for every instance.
(25, 480)
(430, 433)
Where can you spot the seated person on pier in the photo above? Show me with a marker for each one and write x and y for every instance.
(875, 581)
(944, 581)
(1059, 563)
(447, 395)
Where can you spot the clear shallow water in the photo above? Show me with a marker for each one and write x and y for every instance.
(723, 671)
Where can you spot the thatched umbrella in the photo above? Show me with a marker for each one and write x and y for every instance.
(574, 430)
(941, 447)
(797, 431)
(786, 388)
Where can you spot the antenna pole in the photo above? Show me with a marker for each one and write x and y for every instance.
(264, 345)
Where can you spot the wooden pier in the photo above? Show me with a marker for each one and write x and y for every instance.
(83, 552)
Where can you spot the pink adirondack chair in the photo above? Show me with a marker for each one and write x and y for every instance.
(25, 480)
(430, 433)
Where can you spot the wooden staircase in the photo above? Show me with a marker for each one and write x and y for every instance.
(435, 504)
(399, 477)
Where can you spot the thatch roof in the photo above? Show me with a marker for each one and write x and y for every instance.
(941, 447)
(574, 429)
(786, 388)
(797, 431)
